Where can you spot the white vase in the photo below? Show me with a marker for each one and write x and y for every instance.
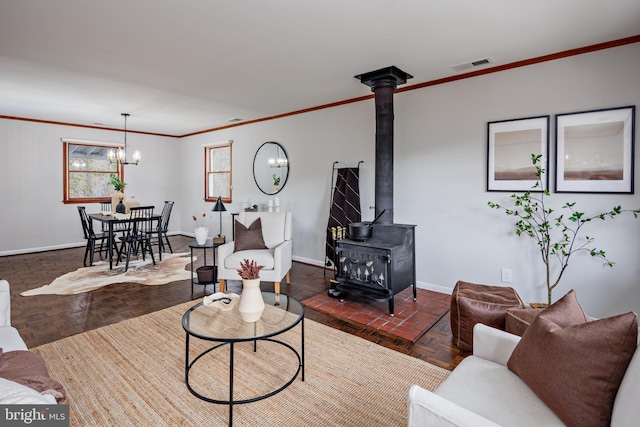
(202, 233)
(251, 303)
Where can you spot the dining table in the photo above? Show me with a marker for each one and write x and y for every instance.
(111, 220)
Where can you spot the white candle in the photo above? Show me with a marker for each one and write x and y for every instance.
(277, 201)
(270, 202)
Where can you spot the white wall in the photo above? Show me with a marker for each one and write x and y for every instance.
(32, 215)
(440, 177)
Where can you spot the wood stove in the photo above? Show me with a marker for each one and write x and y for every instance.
(379, 267)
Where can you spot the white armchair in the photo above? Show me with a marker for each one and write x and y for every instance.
(276, 231)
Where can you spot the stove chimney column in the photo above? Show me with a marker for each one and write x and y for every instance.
(383, 83)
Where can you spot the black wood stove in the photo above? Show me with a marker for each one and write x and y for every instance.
(379, 267)
(384, 264)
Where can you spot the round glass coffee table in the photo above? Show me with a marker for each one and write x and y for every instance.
(225, 329)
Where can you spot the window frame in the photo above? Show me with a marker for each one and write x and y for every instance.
(208, 148)
(66, 198)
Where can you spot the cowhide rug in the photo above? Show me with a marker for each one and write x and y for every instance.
(171, 269)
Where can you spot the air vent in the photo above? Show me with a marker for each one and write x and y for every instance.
(480, 62)
(473, 64)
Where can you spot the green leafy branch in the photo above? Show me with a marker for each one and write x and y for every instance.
(556, 236)
(116, 182)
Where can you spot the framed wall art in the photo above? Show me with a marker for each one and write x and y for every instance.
(594, 151)
(510, 146)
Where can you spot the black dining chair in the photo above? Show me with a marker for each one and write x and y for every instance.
(121, 227)
(138, 236)
(95, 241)
(105, 206)
(163, 226)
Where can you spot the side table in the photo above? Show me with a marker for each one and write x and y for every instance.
(226, 329)
(209, 244)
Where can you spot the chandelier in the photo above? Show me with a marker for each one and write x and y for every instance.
(120, 156)
(279, 162)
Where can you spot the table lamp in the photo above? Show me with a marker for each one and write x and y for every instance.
(219, 207)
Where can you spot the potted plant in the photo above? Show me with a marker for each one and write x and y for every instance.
(251, 303)
(116, 182)
(201, 232)
(276, 183)
(556, 233)
(117, 198)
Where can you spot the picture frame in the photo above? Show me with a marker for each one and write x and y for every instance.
(595, 151)
(510, 144)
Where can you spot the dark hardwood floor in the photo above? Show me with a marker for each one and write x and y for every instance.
(46, 318)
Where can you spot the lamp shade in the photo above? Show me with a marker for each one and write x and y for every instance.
(219, 206)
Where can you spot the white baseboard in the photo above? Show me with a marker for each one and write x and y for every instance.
(42, 249)
(56, 247)
(435, 288)
(422, 285)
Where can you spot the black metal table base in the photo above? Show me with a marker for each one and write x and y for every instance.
(231, 401)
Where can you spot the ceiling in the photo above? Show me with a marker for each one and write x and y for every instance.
(180, 67)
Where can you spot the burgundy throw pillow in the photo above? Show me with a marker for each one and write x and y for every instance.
(248, 237)
(29, 369)
(574, 365)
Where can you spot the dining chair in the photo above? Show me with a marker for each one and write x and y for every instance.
(91, 237)
(163, 225)
(121, 227)
(105, 206)
(138, 235)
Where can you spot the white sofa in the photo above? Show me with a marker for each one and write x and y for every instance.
(481, 391)
(276, 259)
(10, 340)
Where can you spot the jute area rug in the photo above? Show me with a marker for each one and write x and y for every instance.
(85, 279)
(132, 374)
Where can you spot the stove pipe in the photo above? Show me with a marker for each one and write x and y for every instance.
(383, 83)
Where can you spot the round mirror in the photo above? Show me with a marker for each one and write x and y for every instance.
(270, 168)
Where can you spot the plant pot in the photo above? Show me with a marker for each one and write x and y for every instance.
(201, 233)
(538, 305)
(251, 303)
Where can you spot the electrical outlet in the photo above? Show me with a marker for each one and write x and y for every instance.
(506, 275)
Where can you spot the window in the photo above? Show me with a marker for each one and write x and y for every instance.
(217, 172)
(86, 172)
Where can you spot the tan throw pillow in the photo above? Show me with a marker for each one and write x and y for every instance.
(248, 238)
(574, 365)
